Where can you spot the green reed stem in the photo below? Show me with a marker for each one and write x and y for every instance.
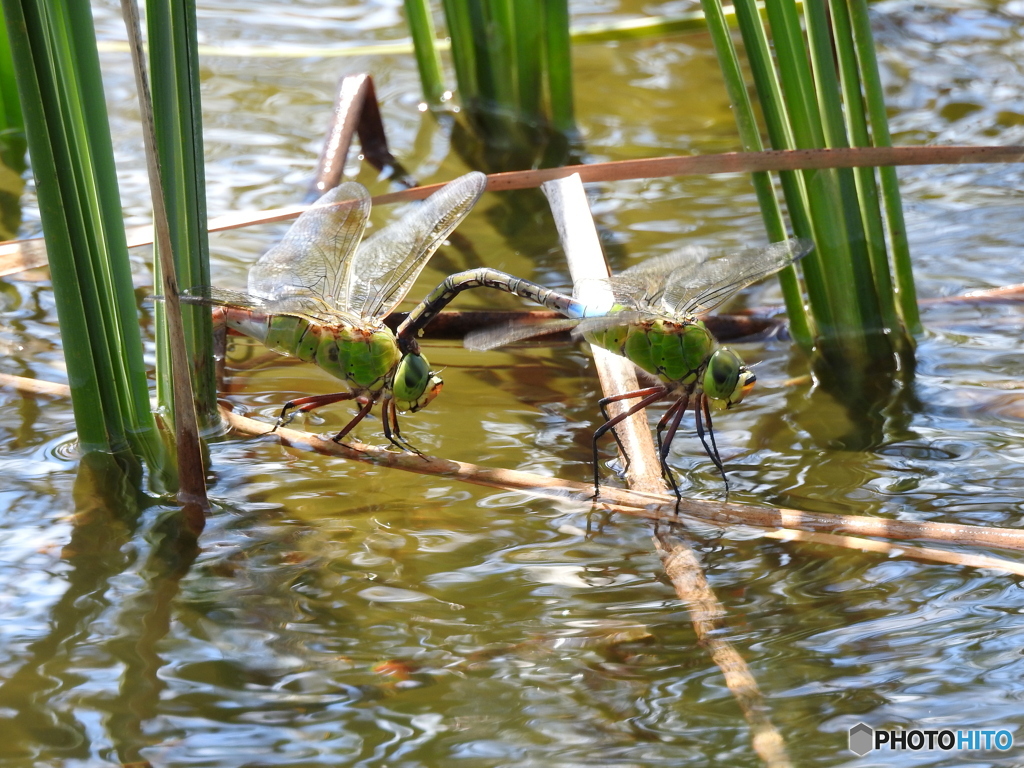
(558, 50)
(54, 50)
(530, 35)
(460, 31)
(483, 63)
(503, 52)
(773, 106)
(851, 217)
(824, 192)
(428, 61)
(808, 104)
(500, 34)
(12, 124)
(906, 292)
(174, 79)
(750, 138)
(867, 189)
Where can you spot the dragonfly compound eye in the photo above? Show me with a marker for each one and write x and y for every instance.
(415, 385)
(727, 379)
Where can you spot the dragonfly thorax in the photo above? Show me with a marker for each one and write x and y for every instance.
(683, 354)
(674, 351)
(366, 357)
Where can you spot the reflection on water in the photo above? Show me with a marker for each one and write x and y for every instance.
(338, 613)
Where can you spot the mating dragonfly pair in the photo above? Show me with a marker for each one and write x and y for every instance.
(321, 295)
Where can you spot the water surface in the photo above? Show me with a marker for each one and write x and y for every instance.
(340, 613)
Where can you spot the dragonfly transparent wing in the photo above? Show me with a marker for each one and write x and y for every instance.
(641, 287)
(310, 307)
(698, 286)
(506, 333)
(693, 281)
(218, 297)
(611, 320)
(390, 260)
(315, 256)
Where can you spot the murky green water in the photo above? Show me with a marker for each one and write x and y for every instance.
(344, 614)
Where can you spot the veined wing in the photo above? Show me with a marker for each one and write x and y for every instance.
(390, 260)
(692, 281)
(641, 287)
(507, 333)
(611, 320)
(310, 307)
(217, 297)
(701, 286)
(499, 335)
(314, 258)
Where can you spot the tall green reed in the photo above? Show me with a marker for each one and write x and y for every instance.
(513, 64)
(12, 142)
(421, 26)
(58, 78)
(177, 114)
(812, 94)
(190, 461)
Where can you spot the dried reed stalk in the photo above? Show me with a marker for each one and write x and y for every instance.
(578, 235)
(18, 255)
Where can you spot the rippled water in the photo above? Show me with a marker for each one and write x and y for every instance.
(339, 613)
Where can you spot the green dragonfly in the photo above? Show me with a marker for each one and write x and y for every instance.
(652, 319)
(321, 293)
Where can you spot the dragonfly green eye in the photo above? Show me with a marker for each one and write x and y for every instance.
(415, 385)
(727, 379)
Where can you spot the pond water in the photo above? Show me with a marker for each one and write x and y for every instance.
(340, 613)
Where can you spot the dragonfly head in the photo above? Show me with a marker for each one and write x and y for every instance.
(726, 379)
(415, 384)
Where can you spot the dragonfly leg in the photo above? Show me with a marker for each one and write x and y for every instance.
(389, 417)
(352, 424)
(307, 404)
(664, 446)
(670, 415)
(712, 452)
(657, 394)
(603, 404)
(387, 413)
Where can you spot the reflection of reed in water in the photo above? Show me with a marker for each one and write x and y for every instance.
(106, 519)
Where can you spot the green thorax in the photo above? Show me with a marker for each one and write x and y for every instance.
(675, 352)
(362, 356)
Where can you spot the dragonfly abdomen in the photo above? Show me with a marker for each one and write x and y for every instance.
(485, 277)
(284, 334)
(292, 335)
(255, 325)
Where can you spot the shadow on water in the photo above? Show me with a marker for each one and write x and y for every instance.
(108, 510)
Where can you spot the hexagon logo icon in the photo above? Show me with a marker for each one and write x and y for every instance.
(862, 738)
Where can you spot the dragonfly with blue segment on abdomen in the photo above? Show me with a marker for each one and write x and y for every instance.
(321, 295)
(652, 319)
